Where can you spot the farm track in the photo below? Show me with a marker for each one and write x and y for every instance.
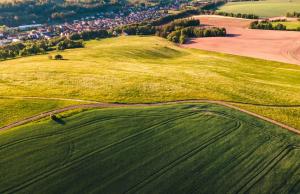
(77, 161)
(96, 104)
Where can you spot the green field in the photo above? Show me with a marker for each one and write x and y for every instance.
(144, 70)
(290, 25)
(265, 8)
(185, 148)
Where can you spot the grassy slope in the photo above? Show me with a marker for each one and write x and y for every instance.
(15, 109)
(267, 8)
(188, 148)
(289, 25)
(150, 69)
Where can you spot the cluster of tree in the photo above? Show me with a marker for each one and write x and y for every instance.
(266, 25)
(89, 35)
(237, 15)
(176, 25)
(136, 29)
(37, 47)
(163, 31)
(69, 44)
(177, 31)
(278, 20)
(181, 36)
(170, 18)
(293, 15)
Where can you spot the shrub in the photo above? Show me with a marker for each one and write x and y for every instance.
(53, 117)
(58, 57)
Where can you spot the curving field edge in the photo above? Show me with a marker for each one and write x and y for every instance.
(114, 105)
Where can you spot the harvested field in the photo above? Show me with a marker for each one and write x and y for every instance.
(283, 46)
(265, 8)
(186, 148)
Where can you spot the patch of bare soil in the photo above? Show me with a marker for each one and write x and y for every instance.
(283, 46)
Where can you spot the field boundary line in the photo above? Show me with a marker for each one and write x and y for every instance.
(116, 105)
(98, 102)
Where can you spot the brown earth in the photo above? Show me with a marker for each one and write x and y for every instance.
(283, 46)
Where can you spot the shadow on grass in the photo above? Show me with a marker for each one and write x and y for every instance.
(58, 120)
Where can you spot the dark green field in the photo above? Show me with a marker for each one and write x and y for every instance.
(187, 148)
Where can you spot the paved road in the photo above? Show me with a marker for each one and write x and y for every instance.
(111, 105)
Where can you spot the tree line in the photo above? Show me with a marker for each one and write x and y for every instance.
(266, 25)
(177, 31)
(293, 15)
(37, 47)
(237, 15)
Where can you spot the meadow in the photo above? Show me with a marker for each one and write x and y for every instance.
(146, 70)
(266, 8)
(183, 148)
(290, 25)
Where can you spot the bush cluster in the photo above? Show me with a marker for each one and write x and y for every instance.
(266, 25)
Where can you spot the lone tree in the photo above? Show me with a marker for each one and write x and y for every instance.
(58, 57)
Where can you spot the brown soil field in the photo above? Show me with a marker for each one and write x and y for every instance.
(283, 46)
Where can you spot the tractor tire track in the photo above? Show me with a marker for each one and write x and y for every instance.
(107, 180)
(181, 159)
(89, 123)
(78, 160)
(258, 174)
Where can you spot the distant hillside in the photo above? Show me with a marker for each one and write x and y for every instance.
(42, 11)
(46, 11)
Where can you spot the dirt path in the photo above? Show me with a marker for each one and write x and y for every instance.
(111, 105)
(97, 102)
(282, 46)
(48, 98)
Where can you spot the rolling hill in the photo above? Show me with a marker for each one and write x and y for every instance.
(147, 69)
